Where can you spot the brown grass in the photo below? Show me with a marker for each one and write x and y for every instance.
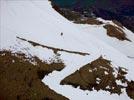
(21, 80)
(116, 32)
(99, 75)
(130, 89)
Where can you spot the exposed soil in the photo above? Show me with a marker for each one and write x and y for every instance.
(130, 89)
(55, 50)
(21, 80)
(116, 32)
(100, 75)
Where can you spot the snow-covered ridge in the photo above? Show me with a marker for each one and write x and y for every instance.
(37, 21)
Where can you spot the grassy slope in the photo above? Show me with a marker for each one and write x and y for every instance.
(21, 80)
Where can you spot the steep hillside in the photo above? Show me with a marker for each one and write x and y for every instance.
(120, 10)
(35, 29)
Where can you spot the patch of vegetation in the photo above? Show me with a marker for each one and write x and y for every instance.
(130, 89)
(20, 77)
(100, 75)
(116, 32)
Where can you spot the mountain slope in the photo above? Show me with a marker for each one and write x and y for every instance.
(121, 10)
(126, 47)
(38, 22)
